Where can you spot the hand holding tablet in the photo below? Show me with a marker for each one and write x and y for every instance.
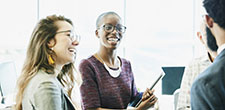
(151, 87)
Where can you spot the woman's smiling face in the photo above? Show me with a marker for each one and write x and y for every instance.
(64, 43)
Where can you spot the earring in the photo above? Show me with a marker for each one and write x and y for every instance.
(50, 59)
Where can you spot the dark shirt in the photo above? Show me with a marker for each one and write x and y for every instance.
(208, 90)
(100, 89)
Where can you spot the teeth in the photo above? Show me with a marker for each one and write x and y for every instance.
(113, 39)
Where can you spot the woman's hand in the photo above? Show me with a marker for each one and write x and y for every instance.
(148, 100)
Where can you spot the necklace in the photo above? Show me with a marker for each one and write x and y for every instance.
(113, 73)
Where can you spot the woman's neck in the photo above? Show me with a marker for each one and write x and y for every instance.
(108, 57)
(57, 69)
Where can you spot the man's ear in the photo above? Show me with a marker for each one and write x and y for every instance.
(199, 35)
(209, 21)
(96, 33)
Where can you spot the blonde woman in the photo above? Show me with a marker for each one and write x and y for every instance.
(47, 77)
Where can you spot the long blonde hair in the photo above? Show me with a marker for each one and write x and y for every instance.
(37, 57)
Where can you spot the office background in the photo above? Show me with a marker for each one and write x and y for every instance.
(159, 33)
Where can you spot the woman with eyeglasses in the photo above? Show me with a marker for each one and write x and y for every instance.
(47, 77)
(108, 81)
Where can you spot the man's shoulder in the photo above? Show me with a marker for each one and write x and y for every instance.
(201, 60)
(197, 65)
(220, 60)
(210, 76)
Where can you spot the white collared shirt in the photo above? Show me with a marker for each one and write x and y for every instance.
(192, 70)
(220, 49)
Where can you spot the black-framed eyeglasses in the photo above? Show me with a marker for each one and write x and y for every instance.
(71, 34)
(110, 28)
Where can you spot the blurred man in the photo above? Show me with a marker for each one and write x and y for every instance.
(193, 69)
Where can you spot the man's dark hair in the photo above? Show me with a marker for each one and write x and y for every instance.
(216, 10)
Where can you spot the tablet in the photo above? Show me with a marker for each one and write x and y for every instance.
(162, 74)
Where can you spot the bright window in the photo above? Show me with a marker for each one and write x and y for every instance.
(159, 33)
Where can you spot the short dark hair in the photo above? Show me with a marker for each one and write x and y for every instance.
(216, 10)
(103, 15)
